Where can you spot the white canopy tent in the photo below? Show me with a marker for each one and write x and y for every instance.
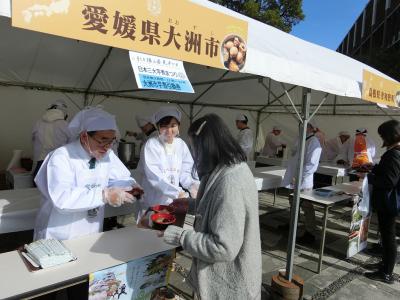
(283, 68)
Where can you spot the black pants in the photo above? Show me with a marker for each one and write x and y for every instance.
(387, 228)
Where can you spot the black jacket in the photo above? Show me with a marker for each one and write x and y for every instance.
(385, 179)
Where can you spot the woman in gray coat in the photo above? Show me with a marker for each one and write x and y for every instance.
(225, 242)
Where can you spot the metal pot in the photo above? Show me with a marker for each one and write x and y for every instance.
(126, 152)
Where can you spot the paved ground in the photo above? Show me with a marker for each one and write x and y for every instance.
(340, 278)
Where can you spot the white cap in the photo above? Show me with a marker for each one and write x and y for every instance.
(313, 123)
(143, 121)
(276, 128)
(60, 104)
(241, 117)
(92, 119)
(343, 133)
(166, 111)
(361, 130)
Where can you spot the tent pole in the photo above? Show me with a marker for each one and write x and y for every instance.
(389, 116)
(294, 212)
(334, 105)
(257, 126)
(322, 102)
(209, 88)
(276, 98)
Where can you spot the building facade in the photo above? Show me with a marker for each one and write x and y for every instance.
(377, 27)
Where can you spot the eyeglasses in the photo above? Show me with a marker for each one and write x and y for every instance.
(108, 143)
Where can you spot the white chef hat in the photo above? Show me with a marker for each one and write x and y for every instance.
(92, 119)
(142, 121)
(361, 130)
(241, 117)
(313, 123)
(166, 111)
(344, 132)
(276, 128)
(60, 104)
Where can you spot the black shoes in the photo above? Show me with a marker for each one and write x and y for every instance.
(306, 239)
(380, 276)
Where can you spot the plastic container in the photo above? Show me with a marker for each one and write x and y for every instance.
(161, 221)
(163, 209)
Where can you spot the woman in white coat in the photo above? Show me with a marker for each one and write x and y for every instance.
(78, 179)
(167, 163)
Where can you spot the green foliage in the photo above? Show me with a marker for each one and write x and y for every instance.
(282, 14)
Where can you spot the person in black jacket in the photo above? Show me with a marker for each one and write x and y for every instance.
(384, 178)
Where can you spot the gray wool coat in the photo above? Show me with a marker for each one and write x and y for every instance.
(225, 243)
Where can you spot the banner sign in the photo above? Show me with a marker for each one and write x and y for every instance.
(137, 279)
(154, 72)
(176, 29)
(380, 90)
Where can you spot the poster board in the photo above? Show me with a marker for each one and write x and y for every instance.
(360, 219)
(137, 279)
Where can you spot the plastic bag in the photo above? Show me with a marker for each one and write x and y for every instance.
(364, 204)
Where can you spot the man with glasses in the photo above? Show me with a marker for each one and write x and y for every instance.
(78, 179)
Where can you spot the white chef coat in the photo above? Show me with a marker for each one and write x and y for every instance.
(140, 167)
(49, 133)
(272, 143)
(70, 189)
(347, 150)
(332, 149)
(312, 153)
(246, 140)
(163, 170)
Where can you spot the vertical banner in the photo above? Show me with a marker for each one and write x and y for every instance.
(360, 218)
(137, 279)
(380, 90)
(154, 72)
(177, 29)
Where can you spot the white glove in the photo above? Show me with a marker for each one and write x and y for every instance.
(116, 196)
(136, 190)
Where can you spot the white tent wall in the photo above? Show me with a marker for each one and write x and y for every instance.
(21, 108)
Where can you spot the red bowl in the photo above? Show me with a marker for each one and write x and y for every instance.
(162, 220)
(163, 209)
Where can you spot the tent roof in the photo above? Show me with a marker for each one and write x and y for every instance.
(33, 58)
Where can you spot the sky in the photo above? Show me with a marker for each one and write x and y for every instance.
(327, 22)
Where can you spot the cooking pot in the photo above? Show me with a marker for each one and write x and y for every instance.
(126, 152)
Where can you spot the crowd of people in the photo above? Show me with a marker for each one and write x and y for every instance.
(78, 174)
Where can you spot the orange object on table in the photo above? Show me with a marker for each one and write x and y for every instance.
(360, 152)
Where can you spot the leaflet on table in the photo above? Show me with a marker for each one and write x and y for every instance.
(159, 73)
(360, 218)
(137, 279)
(46, 253)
